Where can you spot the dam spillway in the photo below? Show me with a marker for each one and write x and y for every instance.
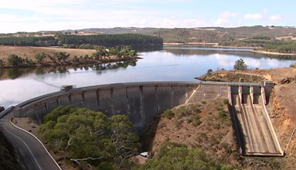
(256, 135)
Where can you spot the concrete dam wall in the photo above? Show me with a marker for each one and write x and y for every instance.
(141, 102)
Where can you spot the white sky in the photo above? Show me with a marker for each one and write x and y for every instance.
(37, 15)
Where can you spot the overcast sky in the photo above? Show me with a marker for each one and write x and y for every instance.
(37, 15)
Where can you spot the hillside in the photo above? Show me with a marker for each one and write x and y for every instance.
(202, 34)
(183, 35)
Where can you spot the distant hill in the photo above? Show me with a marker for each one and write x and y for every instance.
(184, 35)
(201, 34)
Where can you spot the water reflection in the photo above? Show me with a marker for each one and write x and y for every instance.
(13, 73)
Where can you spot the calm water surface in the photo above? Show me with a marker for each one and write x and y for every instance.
(169, 64)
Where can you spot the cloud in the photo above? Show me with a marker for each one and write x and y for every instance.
(254, 16)
(275, 18)
(221, 21)
(228, 15)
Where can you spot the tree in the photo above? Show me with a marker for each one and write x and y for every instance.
(14, 60)
(178, 156)
(41, 56)
(1, 63)
(87, 136)
(240, 65)
(61, 56)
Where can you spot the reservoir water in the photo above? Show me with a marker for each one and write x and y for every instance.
(169, 64)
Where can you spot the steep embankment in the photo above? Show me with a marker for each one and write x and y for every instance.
(7, 155)
(205, 125)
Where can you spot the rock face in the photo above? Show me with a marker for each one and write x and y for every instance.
(231, 76)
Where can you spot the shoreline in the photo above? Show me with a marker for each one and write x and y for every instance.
(69, 63)
(255, 49)
(274, 53)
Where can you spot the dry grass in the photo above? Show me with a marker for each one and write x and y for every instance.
(30, 52)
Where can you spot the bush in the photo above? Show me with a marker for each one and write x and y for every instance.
(196, 120)
(177, 156)
(195, 108)
(14, 60)
(226, 101)
(179, 123)
(222, 114)
(183, 111)
(168, 114)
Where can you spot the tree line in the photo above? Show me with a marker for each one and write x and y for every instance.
(29, 41)
(111, 39)
(282, 48)
(77, 40)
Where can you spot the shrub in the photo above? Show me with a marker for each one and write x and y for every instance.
(183, 111)
(190, 119)
(196, 120)
(14, 60)
(226, 101)
(168, 114)
(178, 123)
(222, 114)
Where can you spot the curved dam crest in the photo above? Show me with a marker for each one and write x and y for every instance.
(141, 102)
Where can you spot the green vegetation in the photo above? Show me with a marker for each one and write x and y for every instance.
(89, 137)
(240, 65)
(282, 48)
(226, 101)
(176, 156)
(14, 60)
(187, 35)
(81, 41)
(28, 41)
(110, 39)
(168, 114)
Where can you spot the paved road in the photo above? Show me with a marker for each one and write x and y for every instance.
(259, 138)
(34, 156)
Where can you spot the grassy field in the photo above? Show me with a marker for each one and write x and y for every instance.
(30, 52)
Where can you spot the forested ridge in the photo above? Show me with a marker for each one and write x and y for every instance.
(29, 41)
(101, 39)
(110, 39)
